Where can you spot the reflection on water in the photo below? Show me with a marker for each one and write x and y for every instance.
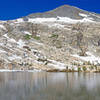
(49, 86)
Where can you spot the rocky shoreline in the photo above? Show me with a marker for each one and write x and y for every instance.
(52, 70)
(40, 67)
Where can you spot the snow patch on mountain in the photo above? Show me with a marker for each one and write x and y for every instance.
(5, 35)
(57, 25)
(21, 43)
(83, 15)
(2, 51)
(26, 32)
(58, 19)
(20, 20)
(3, 27)
(91, 58)
(9, 39)
(61, 19)
(57, 65)
(13, 57)
(12, 40)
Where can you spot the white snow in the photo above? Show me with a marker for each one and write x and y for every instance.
(7, 70)
(84, 20)
(57, 25)
(9, 39)
(12, 40)
(61, 19)
(90, 57)
(75, 68)
(1, 44)
(3, 27)
(69, 20)
(20, 20)
(21, 43)
(14, 57)
(38, 43)
(2, 51)
(41, 20)
(5, 35)
(83, 15)
(35, 70)
(26, 32)
(57, 65)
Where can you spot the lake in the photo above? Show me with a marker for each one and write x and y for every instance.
(49, 86)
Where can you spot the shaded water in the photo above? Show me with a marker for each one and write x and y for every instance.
(49, 86)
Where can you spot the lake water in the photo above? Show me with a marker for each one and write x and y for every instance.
(49, 86)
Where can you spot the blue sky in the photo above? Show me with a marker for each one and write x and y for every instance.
(12, 9)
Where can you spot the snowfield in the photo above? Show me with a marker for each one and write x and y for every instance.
(57, 65)
(13, 57)
(58, 19)
(61, 19)
(83, 15)
(91, 58)
(3, 27)
(21, 43)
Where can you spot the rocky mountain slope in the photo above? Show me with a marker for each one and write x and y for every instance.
(66, 11)
(64, 39)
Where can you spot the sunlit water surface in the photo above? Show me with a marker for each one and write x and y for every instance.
(49, 86)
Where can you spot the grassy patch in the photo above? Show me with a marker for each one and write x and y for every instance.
(91, 67)
(84, 68)
(27, 36)
(58, 44)
(79, 69)
(36, 37)
(54, 36)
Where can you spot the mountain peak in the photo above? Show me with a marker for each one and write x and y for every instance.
(62, 11)
(63, 6)
(66, 11)
(66, 6)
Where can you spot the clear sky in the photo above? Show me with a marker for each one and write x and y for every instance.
(12, 9)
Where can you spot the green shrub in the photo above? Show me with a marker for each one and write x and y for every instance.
(92, 67)
(58, 44)
(78, 64)
(84, 68)
(66, 67)
(95, 67)
(89, 63)
(84, 63)
(79, 69)
(75, 63)
(54, 35)
(27, 36)
(73, 70)
(36, 37)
